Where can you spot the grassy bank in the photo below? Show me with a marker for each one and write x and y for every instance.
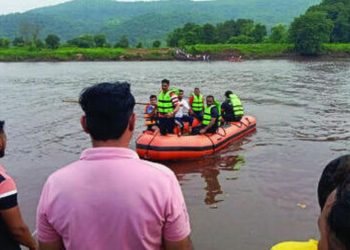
(79, 54)
(216, 52)
(262, 50)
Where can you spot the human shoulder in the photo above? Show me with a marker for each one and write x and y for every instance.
(6, 181)
(159, 168)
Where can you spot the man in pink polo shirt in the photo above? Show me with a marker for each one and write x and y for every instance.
(110, 199)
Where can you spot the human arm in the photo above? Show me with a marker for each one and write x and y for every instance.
(54, 245)
(48, 238)
(213, 121)
(185, 244)
(16, 226)
(176, 232)
(190, 101)
(176, 104)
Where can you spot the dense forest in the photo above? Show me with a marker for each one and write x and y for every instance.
(142, 21)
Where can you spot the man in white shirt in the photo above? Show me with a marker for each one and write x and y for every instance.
(182, 114)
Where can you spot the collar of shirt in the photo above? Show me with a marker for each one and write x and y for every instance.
(104, 153)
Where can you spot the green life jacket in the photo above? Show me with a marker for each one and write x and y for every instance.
(207, 115)
(218, 107)
(197, 104)
(236, 105)
(164, 103)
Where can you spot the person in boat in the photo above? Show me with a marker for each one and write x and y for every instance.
(334, 220)
(211, 116)
(13, 231)
(111, 199)
(151, 114)
(197, 104)
(168, 106)
(231, 108)
(182, 115)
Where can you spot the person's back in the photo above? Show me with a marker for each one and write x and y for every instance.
(232, 109)
(110, 199)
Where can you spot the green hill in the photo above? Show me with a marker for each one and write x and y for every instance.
(143, 21)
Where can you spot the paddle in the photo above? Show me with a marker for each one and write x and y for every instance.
(75, 101)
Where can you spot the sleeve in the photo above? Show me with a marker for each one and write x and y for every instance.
(177, 225)
(45, 231)
(174, 99)
(191, 100)
(8, 193)
(214, 113)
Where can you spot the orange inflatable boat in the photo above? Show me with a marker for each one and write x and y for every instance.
(153, 146)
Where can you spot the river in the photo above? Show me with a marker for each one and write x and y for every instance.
(259, 191)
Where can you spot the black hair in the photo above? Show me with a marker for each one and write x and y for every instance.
(166, 81)
(333, 175)
(211, 96)
(152, 96)
(181, 90)
(2, 123)
(108, 107)
(228, 93)
(339, 216)
(196, 88)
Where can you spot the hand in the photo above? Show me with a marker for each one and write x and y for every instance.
(202, 131)
(171, 114)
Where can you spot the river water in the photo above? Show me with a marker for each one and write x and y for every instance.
(259, 191)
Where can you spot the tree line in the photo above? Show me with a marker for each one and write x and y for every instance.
(326, 22)
(53, 41)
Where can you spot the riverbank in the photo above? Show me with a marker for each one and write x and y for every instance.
(190, 53)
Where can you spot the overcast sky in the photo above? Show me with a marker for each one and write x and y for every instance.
(11, 6)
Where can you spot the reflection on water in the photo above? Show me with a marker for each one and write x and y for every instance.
(209, 169)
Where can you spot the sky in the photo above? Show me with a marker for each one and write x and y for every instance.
(12, 6)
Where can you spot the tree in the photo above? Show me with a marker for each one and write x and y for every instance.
(208, 34)
(241, 39)
(85, 41)
(100, 40)
(258, 33)
(52, 41)
(123, 42)
(18, 42)
(309, 31)
(156, 44)
(139, 45)
(4, 42)
(279, 34)
(341, 30)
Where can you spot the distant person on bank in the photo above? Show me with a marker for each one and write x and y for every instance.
(13, 231)
(334, 220)
(210, 121)
(168, 105)
(231, 108)
(110, 199)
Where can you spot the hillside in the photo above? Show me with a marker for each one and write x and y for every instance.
(143, 21)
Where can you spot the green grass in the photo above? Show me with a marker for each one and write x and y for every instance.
(76, 54)
(337, 47)
(218, 51)
(255, 50)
